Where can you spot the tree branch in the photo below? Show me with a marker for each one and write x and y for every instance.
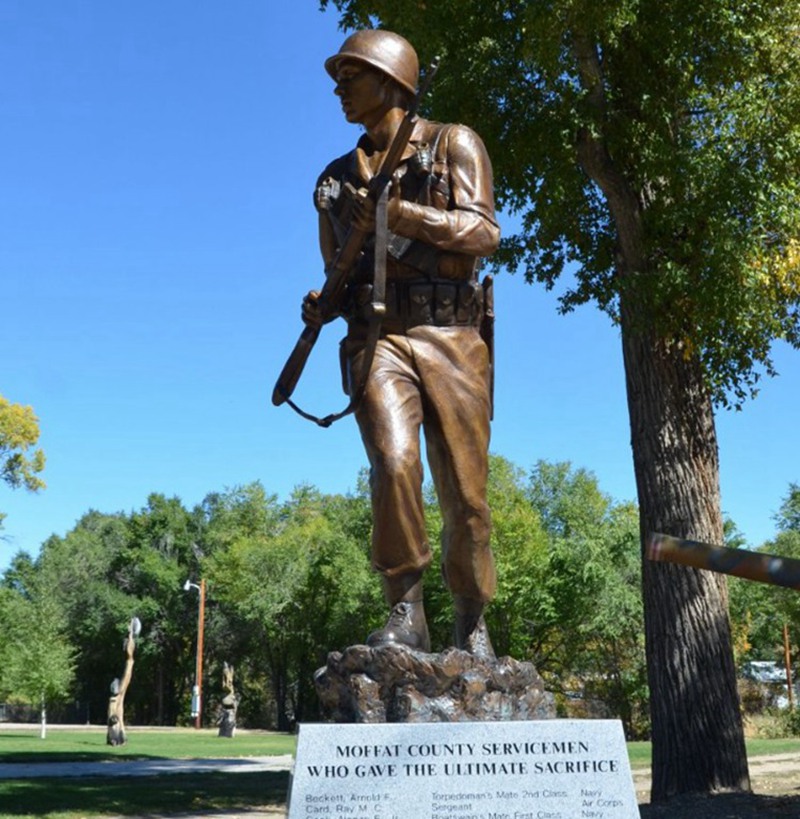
(596, 160)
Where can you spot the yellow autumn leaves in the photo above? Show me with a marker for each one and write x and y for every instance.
(19, 432)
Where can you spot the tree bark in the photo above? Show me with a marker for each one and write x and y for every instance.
(698, 738)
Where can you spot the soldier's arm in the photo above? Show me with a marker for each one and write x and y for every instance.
(327, 239)
(469, 227)
(328, 246)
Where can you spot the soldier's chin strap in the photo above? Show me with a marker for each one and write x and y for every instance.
(374, 315)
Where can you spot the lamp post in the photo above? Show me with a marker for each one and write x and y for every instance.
(197, 695)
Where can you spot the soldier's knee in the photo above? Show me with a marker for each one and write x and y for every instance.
(397, 464)
(472, 527)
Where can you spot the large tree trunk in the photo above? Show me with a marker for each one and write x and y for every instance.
(698, 739)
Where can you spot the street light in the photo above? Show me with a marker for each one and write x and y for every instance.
(197, 702)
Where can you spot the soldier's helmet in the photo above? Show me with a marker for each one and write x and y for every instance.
(384, 50)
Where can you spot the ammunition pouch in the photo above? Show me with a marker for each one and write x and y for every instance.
(420, 302)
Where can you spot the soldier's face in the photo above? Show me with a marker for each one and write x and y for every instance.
(362, 91)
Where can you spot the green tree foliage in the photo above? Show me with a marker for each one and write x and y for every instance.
(110, 568)
(784, 602)
(80, 570)
(591, 619)
(745, 608)
(297, 583)
(651, 151)
(787, 544)
(788, 517)
(36, 659)
(568, 596)
(163, 550)
(760, 610)
(521, 551)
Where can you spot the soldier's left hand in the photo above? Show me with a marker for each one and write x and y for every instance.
(364, 211)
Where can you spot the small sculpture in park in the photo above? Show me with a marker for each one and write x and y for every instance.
(230, 702)
(116, 703)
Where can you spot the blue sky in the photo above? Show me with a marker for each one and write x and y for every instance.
(156, 236)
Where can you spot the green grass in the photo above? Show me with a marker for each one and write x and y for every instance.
(639, 752)
(762, 747)
(89, 745)
(94, 797)
(76, 798)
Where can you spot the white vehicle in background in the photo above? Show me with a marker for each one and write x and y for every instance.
(771, 678)
(764, 671)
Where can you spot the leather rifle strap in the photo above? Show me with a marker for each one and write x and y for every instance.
(377, 308)
(377, 311)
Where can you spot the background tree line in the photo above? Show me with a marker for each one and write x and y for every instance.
(759, 611)
(289, 581)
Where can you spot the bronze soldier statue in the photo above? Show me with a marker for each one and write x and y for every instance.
(430, 368)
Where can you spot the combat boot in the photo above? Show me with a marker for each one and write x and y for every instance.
(406, 624)
(471, 632)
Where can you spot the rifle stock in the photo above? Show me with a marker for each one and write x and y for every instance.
(293, 368)
(329, 299)
(337, 272)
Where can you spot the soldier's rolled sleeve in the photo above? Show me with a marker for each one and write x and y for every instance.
(469, 226)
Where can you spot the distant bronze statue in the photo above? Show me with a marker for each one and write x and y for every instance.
(417, 351)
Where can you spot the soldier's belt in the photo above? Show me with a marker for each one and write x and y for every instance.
(438, 303)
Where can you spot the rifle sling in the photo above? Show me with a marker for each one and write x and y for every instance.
(376, 313)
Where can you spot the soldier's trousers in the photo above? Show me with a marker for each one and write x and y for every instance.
(435, 379)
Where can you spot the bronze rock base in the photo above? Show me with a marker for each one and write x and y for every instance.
(392, 683)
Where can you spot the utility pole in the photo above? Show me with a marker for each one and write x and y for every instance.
(787, 658)
(197, 691)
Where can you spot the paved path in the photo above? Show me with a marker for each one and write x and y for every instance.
(145, 767)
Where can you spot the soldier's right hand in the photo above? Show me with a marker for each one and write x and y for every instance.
(311, 312)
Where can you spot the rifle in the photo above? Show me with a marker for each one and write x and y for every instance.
(337, 272)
